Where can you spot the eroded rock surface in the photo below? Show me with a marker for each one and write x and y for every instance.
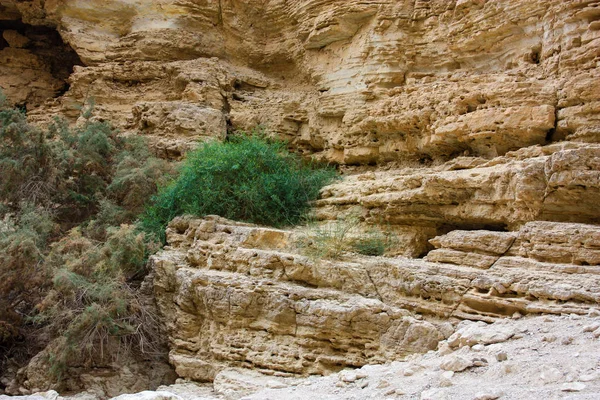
(35, 63)
(352, 82)
(557, 182)
(237, 295)
(482, 117)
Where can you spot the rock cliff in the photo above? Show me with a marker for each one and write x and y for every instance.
(237, 295)
(470, 128)
(353, 82)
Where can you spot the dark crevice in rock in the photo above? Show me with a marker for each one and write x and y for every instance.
(43, 44)
(495, 227)
(552, 135)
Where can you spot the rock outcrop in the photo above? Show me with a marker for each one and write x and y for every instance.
(237, 295)
(557, 182)
(469, 128)
(34, 61)
(353, 83)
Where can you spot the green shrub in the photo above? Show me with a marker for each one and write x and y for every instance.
(84, 284)
(247, 179)
(93, 308)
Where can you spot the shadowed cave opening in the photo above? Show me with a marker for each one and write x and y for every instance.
(46, 43)
(448, 227)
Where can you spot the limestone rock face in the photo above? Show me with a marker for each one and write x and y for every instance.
(558, 182)
(232, 297)
(469, 128)
(34, 63)
(351, 82)
(237, 295)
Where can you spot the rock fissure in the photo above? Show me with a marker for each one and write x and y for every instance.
(374, 286)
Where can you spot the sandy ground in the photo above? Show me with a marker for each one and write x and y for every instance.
(543, 357)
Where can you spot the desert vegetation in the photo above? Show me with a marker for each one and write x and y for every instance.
(248, 178)
(347, 234)
(70, 257)
(82, 208)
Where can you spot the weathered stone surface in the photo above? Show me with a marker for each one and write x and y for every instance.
(484, 116)
(473, 333)
(34, 62)
(236, 295)
(479, 249)
(456, 363)
(228, 305)
(559, 243)
(502, 193)
(352, 82)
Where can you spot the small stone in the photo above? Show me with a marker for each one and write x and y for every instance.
(340, 384)
(361, 374)
(473, 333)
(516, 315)
(448, 374)
(433, 394)
(549, 338)
(409, 372)
(389, 392)
(566, 340)
(480, 362)
(363, 384)
(597, 334)
(573, 387)
(594, 312)
(487, 395)
(348, 377)
(446, 378)
(383, 384)
(444, 349)
(456, 363)
(273, 384)
(589, 377)
(591, 328)
(551, 375)
(501, 356)
(399, 392)
(478, 347)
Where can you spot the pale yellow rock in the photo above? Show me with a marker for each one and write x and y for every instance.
(233, 294)
(350, 82)
(483, 118)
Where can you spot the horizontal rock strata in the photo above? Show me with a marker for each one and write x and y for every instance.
(357, 82)
(237, 295)
(483, 118)
(558, 182)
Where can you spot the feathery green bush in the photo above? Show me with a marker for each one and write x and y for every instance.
(247, 178)
(82, 284)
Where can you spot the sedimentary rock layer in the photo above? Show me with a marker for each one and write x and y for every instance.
(352, 82)
(483, 116)
(237, 295)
